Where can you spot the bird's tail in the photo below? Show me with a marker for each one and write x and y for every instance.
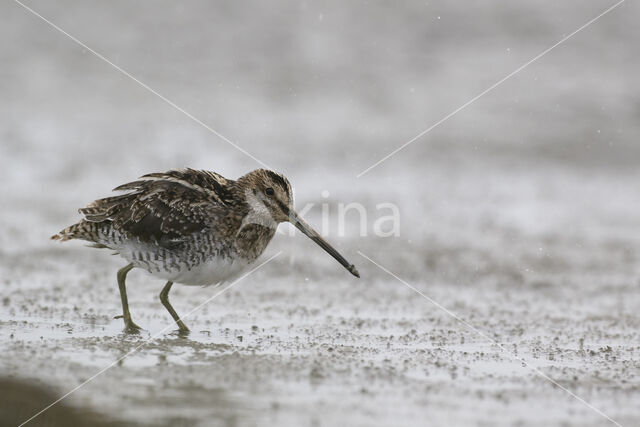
(83, 230)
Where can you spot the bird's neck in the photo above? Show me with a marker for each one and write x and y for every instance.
(258, 213)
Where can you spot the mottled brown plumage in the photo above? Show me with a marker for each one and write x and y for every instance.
(191, 226)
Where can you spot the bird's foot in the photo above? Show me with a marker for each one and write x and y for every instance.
(182, 326)
(131, 328)
(183, 333)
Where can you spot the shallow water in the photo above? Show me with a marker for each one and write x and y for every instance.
(300, 342)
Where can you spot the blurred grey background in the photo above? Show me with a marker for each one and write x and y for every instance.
(346, 83)
(520, 213)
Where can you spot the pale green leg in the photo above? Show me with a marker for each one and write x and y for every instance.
(128, 323)
(164, 298)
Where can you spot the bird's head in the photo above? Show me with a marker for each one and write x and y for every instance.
(268, 194)
(270, 199)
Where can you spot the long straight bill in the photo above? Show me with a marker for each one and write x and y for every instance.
(313, 235)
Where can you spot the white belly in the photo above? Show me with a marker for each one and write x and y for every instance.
(213, 271)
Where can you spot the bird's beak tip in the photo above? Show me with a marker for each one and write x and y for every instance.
(354, 271)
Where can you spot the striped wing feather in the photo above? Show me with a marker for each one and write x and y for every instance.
(164, 207)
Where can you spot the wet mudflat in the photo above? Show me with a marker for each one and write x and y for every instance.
(301, 343)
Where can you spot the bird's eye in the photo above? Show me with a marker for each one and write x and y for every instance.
(269, 191)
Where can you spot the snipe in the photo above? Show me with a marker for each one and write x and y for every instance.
(192, 227)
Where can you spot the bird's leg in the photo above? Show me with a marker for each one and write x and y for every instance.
(164, 298)
(128, 323)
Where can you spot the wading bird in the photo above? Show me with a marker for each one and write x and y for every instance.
(192, 227)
